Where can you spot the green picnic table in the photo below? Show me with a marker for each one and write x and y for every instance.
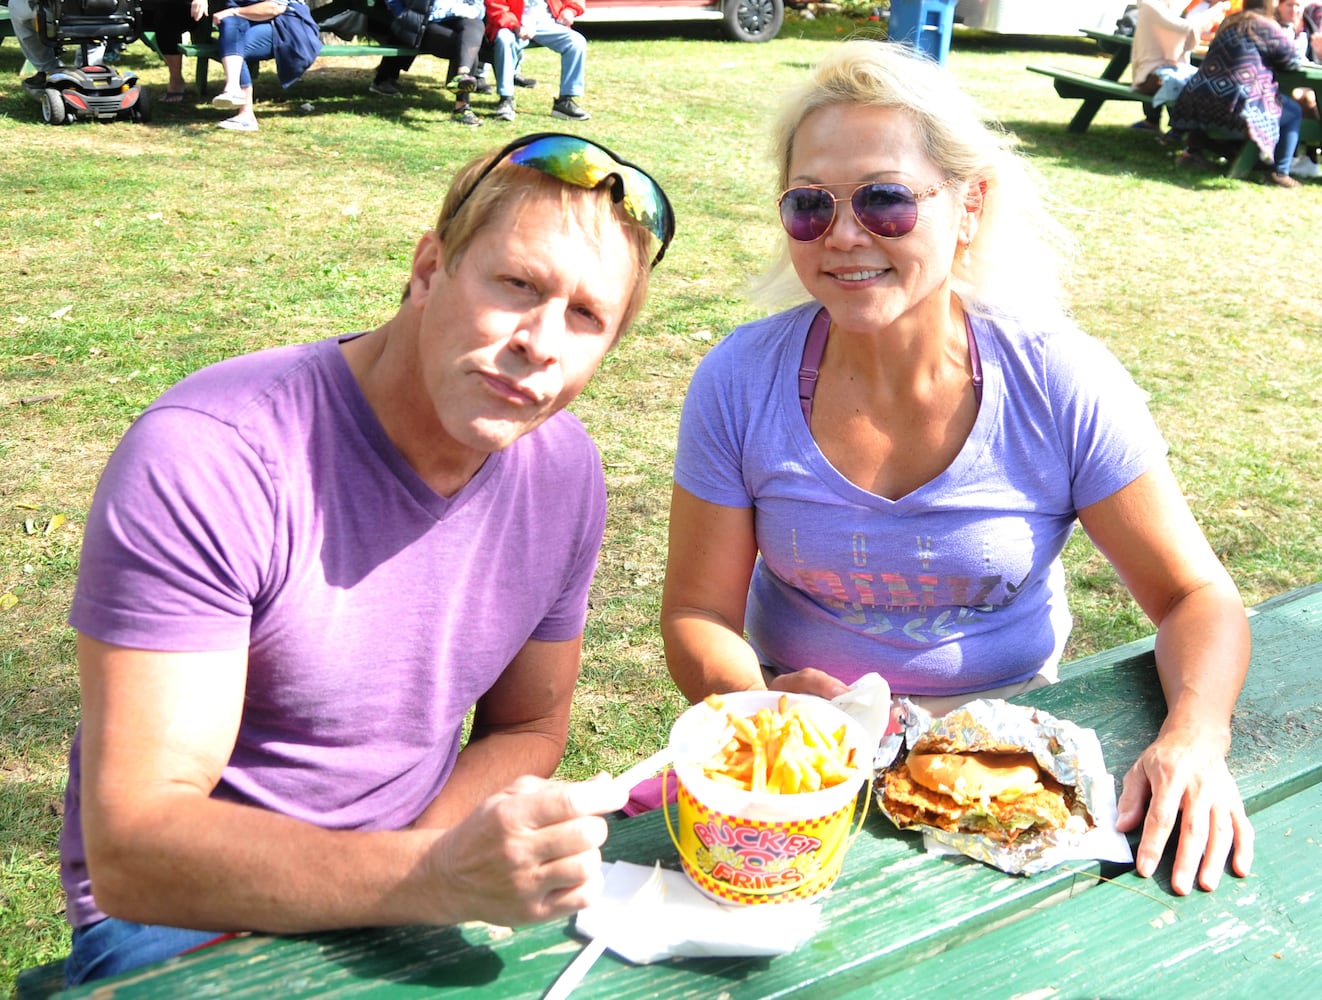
(901, 922)
(1094, 92)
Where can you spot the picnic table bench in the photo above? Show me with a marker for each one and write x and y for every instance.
(205, 49)
(903, 922)
(1096, 91)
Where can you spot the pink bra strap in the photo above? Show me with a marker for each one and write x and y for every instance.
(813, 349)
(815, 346)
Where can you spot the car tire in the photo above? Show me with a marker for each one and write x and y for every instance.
(52, 107)
(752, 20)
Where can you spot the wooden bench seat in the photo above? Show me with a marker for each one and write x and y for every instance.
(1091, 90)
(204, 52)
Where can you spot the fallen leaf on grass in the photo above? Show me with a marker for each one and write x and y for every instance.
(8, 600)
(55, 523)
(61, 312)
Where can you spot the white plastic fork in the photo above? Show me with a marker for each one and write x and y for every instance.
(649, 892)
(645, 768)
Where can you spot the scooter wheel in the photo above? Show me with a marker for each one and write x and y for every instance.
(52, 107)
(142, 108)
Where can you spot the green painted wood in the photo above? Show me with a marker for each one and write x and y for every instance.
(40, 981)
(1079, 85)
(205, 52)
(1091, 90)
(894, 906)
(1257, 935)
(210, 50)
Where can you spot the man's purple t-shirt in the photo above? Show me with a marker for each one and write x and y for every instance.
(260, 504)
(956, 587)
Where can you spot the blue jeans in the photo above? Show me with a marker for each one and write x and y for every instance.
(110, 946)
(36, 50)
(239, 37)
(1292, 119)
(572, 46)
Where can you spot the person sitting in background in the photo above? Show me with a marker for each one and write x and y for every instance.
(1197, 8)
(45, 58)
(448, 29)
(1290, 16)
(1235, 89)
(1161, 60)
(884, 477)
(1312, 26)
(170, 20)
(513, 25)
(252, 30)
(305, 568)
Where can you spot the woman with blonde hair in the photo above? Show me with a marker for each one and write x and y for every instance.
(884, 476)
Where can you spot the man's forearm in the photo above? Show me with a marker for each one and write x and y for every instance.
(485, 766)
(213, 865)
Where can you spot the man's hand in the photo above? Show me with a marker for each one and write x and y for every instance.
(566, 18)
(1188, 778)
(526, 33)
(527, 854)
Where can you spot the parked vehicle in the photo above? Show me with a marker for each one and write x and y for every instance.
(741, 20)
(1038, 17)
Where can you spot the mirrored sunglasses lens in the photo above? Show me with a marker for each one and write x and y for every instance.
(887, 210)
(642, 200)
(806, 213)
(584, 165)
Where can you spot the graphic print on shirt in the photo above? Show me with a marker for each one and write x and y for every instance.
(879, 601)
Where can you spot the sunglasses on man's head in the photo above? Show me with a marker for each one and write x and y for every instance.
(883, 209)
(577, 161)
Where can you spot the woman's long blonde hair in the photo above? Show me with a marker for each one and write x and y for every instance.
(1018, 259)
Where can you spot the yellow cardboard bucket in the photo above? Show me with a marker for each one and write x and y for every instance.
(759, 847)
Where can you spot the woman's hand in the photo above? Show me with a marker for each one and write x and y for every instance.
(810, 680)
(1187, 777)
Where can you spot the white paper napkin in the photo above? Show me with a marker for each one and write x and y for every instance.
(685, 922)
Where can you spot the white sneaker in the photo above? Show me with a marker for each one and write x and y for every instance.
(1302, 166)
(230, 100)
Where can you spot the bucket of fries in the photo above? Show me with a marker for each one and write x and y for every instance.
(768, 787)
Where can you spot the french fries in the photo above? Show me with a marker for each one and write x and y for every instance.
(783, 752)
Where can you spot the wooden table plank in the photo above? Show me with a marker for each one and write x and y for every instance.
(1261, 934)
(1276, 730)
(895, 906)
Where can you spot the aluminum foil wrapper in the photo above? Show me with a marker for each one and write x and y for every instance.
(1071, 754)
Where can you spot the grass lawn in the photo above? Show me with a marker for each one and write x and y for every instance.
(139, 253)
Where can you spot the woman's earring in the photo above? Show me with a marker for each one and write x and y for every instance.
(966, 258)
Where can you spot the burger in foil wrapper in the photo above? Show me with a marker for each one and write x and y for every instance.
(1006, 784)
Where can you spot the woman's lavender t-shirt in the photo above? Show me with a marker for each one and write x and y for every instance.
(260, 504)
(956, 587)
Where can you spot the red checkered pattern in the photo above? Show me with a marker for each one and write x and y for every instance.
(693, 813)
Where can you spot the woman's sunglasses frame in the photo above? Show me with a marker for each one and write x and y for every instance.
(886, 223)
